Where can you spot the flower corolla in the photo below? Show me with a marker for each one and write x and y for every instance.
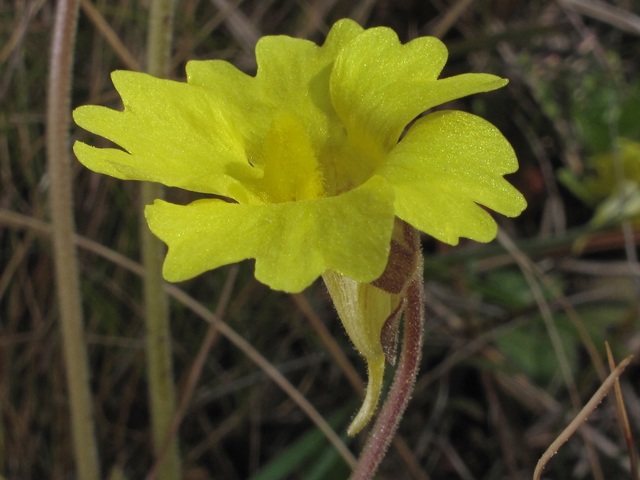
(308, 158)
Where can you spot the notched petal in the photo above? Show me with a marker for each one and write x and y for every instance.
(177, 134)
(379, 85)
(447, 165)
(372, 84)
(293, 243)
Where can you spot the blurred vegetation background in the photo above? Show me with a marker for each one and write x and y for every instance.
(514, 331)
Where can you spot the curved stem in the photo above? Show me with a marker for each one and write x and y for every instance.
(403, 383)
(66, 268)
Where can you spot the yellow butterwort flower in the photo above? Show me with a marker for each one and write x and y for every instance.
(308, 151)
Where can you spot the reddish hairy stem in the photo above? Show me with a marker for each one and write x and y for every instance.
(403, 383)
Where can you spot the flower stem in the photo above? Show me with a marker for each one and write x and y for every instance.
(158, 346)
(66, 267)
(403, 382)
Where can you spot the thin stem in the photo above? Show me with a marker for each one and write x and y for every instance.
(66, 268)
(160, 37)
(330, 343)
(271, 371)
(403, 383)
(161, 386)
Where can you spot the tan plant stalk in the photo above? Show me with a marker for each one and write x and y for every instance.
(66, 268)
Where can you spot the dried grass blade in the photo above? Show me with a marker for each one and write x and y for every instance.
(525, 265)
(624, 420)
(20, 31)
(110, 36)
(581, 417)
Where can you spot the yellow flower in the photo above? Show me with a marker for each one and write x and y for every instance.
(308, 153)
(308, 148)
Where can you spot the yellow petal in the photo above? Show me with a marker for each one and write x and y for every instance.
(173, 133)
(379, 85)
(293, 76)
(447, 164)
(293, 243)
(296, 72)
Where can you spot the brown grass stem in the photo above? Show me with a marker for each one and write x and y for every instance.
(329, 342)
(267, 368)
(623, 420)
(64, 251)
(110, 35)
(524, 261)
(552, 330)
(450, 18)
(20, 31)
(580, 418)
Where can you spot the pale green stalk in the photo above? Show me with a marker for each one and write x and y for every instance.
(158, 345)
(66, 268)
